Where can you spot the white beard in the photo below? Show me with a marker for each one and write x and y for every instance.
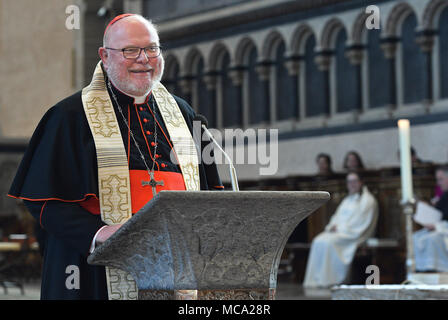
(129, 87)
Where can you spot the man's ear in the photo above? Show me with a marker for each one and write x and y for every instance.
(102, 52)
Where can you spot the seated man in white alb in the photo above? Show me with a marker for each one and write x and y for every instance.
(431, 242)
(332, 250)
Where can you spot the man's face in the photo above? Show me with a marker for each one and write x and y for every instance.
(354, 185)
(137, 76)
(442, 179)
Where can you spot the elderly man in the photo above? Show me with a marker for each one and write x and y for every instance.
(100, 155)
(332, 251)
(431, 242)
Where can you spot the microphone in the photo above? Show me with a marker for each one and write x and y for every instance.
(200, 117)
(204, 125)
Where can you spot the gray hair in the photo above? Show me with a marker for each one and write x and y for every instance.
(146, 21)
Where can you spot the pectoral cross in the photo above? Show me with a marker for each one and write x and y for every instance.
(152, 183)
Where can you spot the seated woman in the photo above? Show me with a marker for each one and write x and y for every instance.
(332, 251)
(353, 162)
(323, 162)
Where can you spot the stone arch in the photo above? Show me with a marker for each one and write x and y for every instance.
(171, 74)
(332, 27)
(299, 38)
(270, 44)
(395, 19)
(191, 61)
(431, 14)
(242, 50)
(216, 55)
(358, 29)
(171, 61)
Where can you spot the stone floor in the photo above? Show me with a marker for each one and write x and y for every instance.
(294, 291)
(31, 292)
(285, 291)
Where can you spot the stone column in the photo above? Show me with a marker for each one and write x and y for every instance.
(79, 79)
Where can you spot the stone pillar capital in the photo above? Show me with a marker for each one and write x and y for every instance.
(210, 79)
(292, 64)
(355, 54)
(236, 74)
(263, 70)
(389, 47)
(185, 84)
(425, 39)
(323, 60)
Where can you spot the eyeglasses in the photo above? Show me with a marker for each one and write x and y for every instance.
(134, 52)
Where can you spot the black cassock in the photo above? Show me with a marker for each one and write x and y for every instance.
(58, 181)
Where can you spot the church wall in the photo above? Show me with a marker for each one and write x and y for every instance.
(378, 149)
(36, 69)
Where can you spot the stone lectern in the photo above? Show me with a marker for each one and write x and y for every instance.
(208, 244)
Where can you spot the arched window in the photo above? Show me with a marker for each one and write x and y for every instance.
(316, 94)
(231, 96)
(171, 77)
(379, 71)
(348, 82)
(414, 63)
(443, 53)
(286, 87)
(258, 91)
(205, 96)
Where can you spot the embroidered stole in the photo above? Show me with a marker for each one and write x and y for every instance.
(113, 171)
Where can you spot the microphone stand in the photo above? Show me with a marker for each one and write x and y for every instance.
(233, 177)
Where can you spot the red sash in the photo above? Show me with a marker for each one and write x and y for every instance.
(140, 194)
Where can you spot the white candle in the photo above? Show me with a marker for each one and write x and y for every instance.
(405, 161)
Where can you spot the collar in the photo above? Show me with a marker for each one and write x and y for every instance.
(125, 98)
